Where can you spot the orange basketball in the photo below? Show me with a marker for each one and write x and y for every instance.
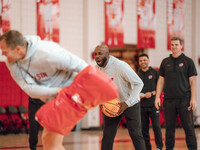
(111, 108)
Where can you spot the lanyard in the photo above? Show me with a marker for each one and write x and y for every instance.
(26, 70)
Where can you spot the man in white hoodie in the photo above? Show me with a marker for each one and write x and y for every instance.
(129, 85)
(41, 69)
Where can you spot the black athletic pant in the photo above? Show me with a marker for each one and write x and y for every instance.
(133, 122)
(171, 109)
(34, 126)
(154, 114)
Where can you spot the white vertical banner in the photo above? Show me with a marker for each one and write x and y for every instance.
(175, 20)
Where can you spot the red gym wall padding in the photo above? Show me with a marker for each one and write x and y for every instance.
(10, 92)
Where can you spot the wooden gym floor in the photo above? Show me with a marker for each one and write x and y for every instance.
(91, 140)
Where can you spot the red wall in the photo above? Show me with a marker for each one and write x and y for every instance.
(10, 93)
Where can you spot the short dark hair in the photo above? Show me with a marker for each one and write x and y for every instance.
(13, 38)
(177, 38)
(143, 55)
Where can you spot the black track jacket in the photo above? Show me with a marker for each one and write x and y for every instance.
(149, 78)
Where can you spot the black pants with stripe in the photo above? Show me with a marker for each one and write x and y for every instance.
(171, 109)
(34, 126)
(154, 114)
(133, 122)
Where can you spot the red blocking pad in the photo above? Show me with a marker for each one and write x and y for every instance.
(90, 88)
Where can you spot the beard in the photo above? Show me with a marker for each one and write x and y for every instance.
(103, 62)
(144, 66)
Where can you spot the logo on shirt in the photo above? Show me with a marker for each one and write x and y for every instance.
(168, 65)
(150, 76)
(181, 65)
(40, 76)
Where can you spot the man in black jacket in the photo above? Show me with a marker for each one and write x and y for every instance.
(149, 77)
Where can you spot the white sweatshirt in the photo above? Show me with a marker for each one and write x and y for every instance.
(45, 68)
(128, 82)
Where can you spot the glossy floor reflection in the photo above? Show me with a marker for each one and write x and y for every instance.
(91, 140)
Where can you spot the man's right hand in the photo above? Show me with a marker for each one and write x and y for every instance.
(59, 90)
(147, 95)
(157, 102)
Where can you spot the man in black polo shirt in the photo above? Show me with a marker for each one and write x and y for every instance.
(149, 77)
(177, 76)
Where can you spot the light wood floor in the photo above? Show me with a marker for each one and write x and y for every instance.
(91, 140)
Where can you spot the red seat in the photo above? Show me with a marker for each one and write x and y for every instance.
(15, 119)
(23, 112)
(4, 121)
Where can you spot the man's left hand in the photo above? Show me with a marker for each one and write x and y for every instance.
(193, 105)
(123, 107)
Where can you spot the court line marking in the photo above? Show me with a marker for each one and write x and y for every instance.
(84, 142)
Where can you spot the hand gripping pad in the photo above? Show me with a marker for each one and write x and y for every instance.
(90, 88)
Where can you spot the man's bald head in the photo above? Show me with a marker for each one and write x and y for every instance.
(104, 48)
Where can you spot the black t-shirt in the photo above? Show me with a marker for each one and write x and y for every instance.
(176, 72)
(149, 78)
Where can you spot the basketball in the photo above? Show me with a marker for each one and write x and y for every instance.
(111, 108)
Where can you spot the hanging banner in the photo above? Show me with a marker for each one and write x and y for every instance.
(48, 20)
(175, 20)
(4, 19)
(114, 28)
(4, 16)
(146, 23)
